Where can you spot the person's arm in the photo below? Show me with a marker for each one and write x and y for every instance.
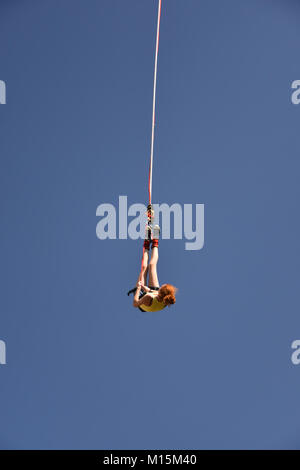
(136, 295)
(146, 299)
(145, 288)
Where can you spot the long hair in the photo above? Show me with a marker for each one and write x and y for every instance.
(167, 293)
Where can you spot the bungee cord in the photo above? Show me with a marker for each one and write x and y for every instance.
(154, 103)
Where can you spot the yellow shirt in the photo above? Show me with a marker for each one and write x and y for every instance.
(154, 307)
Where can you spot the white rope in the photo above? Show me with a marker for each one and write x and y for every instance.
(154, 101)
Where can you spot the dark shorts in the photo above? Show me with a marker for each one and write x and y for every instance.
(142, 293)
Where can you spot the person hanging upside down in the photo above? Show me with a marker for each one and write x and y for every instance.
(151, 297)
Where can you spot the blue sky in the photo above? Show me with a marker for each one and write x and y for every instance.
(84, 369)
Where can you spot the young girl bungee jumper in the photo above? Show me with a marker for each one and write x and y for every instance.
(151, 297)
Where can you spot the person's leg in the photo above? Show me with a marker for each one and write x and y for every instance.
(144, 267)
(153, 278)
